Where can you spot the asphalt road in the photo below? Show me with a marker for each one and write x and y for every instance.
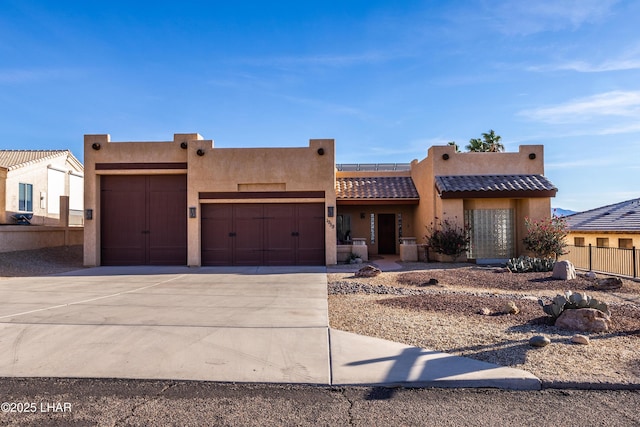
(86, 402)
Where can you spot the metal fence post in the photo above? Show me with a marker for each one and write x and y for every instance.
(590, 269)
(634, 260)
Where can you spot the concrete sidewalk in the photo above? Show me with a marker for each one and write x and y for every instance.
(252, 324)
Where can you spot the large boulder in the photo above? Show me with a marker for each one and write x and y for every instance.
(609, 283)
(564, 270)
(368, 271)
(584, 320)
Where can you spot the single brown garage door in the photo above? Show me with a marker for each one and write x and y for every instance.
(143, 219)
(263, 234)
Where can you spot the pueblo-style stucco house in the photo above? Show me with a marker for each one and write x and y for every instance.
(185, 202)
(32, 181)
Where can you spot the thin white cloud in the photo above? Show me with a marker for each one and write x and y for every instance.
(322, 60)
(328, 107)
(614, 103)
(585, 67)
(524, 18)
(629, 61)
(14, 76)
(580, 164)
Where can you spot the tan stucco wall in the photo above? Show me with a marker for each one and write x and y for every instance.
(22, 238)
(217, 170)
(35, 174)
(591, 237)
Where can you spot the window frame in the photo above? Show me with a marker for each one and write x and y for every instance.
(25, 197)
(625, 243)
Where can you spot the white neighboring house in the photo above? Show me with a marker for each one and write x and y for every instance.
(32, 181)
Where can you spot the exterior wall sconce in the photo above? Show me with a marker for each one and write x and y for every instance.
(183, 145)
(330, 210)
(95, 146)
(200, 152)
(321, 151)
(445, 156)
(532, 156)
(192, 211)
(88, 214)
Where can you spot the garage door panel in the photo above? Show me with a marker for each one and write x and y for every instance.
(279, 242)
(248, 229)
(279, 234)
(216, 240)
(122, 220)
(167, 221)
(311, 242)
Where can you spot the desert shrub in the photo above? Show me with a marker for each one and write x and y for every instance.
(447, 238)
(546, 238)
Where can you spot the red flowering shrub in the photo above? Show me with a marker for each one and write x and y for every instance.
(546, 237)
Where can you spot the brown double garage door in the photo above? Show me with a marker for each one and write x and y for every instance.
(143, 221)
(263, 234)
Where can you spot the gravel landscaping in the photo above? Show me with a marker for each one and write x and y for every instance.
(40, 262)
(461, 315)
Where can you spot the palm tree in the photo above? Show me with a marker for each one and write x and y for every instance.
(492, 142)
(455, 145)
(475, 145)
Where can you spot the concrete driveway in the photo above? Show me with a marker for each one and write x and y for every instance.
(252, 324)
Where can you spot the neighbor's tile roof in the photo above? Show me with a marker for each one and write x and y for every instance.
(623, 216)
(452, 186)
(14, 159)
(388, 187)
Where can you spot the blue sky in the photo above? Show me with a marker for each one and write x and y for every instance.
(385, 79)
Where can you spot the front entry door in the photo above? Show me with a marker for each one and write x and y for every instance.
(386, 233)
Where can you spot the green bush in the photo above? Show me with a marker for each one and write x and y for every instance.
(525, 264)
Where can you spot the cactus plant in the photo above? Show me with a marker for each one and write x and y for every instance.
(572, 300)
(525, 264)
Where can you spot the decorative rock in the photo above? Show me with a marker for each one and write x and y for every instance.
(564, 270)
(539, 341)
(510, 308)
(431, 282)
(485, 311)
(580, 339)
(584, 320)
(609, 283)
(591, 275)
(368, 271)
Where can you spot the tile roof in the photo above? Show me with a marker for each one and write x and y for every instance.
(458, 186)
(388, 187)
(623, 216)
(14, 159)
